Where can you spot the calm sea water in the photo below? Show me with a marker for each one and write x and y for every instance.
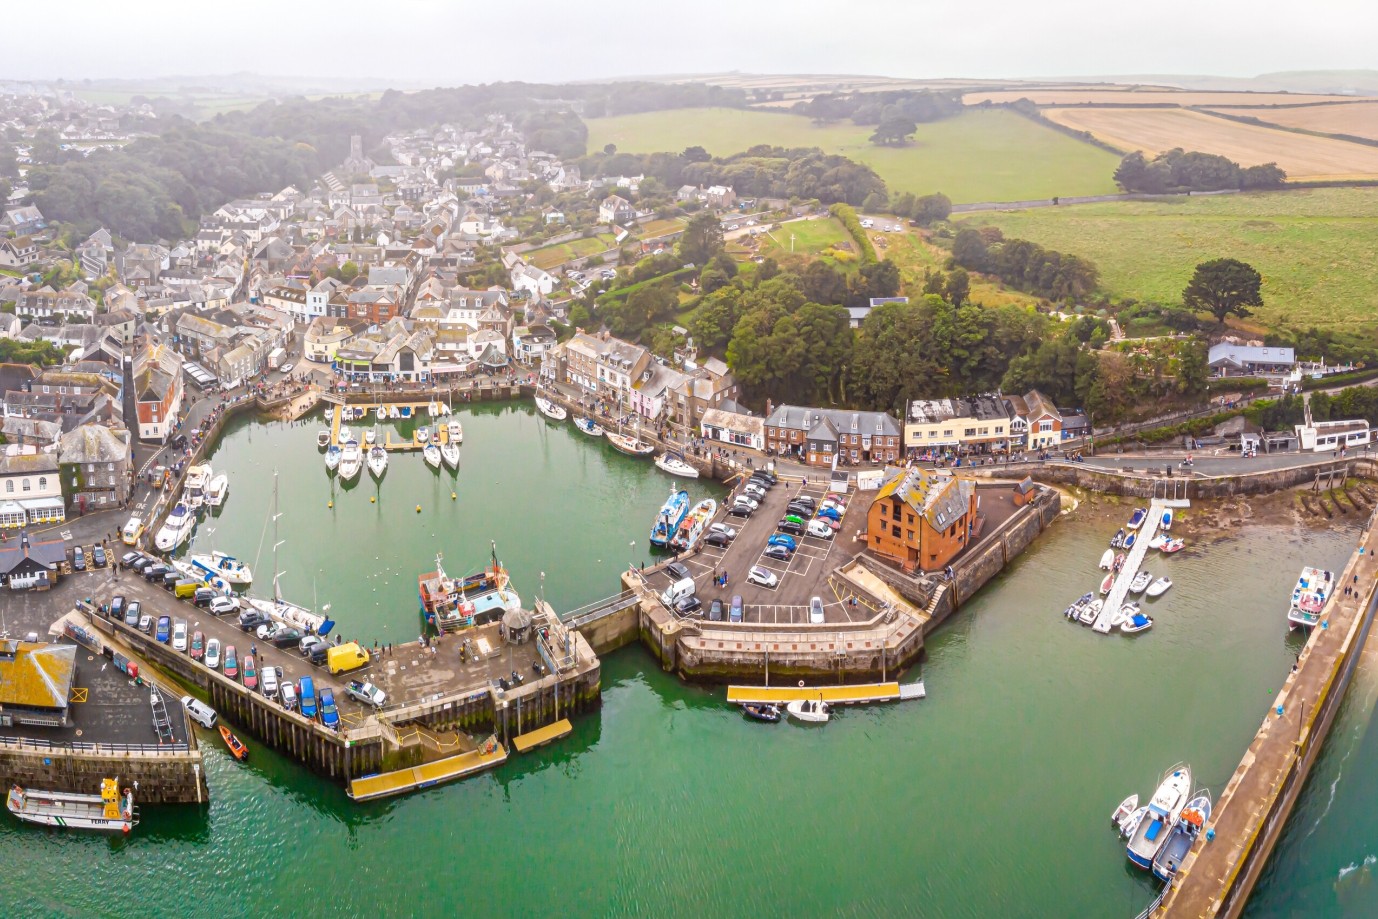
(989, 798)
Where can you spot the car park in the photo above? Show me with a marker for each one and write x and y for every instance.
(250, 672)
(779, 553)
(98, 556)
(251, 619)
(677, 571)
(198, 645)
(307, 690)
(78, 559)
(164, 629)
(790, 527)
(117, 607)
(132, 613)
(781, 539)
(268, 681)
(213, 654)
(330, 715)
(715, 610)
(717, 540)
(816, 610)
(819, 529)
(231, 666)
(288, 693)
(737, 611)
(724, 529)
(220, 606)
(366, 693)
(762, 576)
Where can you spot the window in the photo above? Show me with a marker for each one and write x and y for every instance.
(895, 531)
(26, 484)
(1045, 426)
(9, 487)
(885, 510)
(969, 432)
(43, 483)
(910, 535)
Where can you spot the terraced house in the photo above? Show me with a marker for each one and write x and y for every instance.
(830, 437)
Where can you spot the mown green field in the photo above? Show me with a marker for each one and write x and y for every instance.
(810, 237)
(550, 256)
(981, 155)
(1316, 249)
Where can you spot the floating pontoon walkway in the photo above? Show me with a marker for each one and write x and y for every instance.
(542, 736)
(835, 695)
(387, 784)
(1120, 589)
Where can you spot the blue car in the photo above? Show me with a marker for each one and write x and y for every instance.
(330, 716)
(780, 539)
(164, 628)
(307, 691)
(831, 513)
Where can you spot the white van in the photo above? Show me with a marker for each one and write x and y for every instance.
(200, 712)
(677, 591)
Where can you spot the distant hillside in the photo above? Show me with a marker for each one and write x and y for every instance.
(1349, 82)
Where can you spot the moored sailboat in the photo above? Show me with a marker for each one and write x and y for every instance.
(589, 426)
(630, 445)
(222, 565)
(668, 462)
(377, 461)
(449, 452)
(550, 409)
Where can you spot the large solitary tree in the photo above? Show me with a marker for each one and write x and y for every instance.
(894, 132)
(1223, 286)
(702, 239)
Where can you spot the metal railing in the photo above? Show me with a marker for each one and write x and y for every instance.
(1157, 902)
(599, 608)
(78, 747)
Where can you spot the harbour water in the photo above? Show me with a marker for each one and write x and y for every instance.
(991, 797)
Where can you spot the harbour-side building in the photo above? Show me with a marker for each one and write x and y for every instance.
(921, 519)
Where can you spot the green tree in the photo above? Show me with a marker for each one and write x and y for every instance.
(958, 287)
(349, 271)
(929, 209)
(1193, 371)
(894, 132)
(876, 201)
(1222, 287)
(9, 163)
(969, 250)
(610, 149)
(696, 154)
(702, 239)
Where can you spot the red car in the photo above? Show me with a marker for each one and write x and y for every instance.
(198, 646)
(231, 667)
(250, 672)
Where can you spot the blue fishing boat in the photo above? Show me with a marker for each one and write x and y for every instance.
(1182, 836)
(669, 517)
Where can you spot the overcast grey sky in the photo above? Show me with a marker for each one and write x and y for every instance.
(444, 42)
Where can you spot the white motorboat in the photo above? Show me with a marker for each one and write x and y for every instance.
(432, 455)
(450, 454)
(1163, 811)
(222, 565)
(394, 412)
(423, 435)
(217, 490)
(1131, 823)
(455, 431)
(351, 461)
(110, 811)
(1167, 520)
(812, 711)
(1136, 623)
(1158, 541)
(1171, 546)
(370, 437)
(346, 435)
(1160, 586)
(1091, 611)
(194, 486)
(332, 457)
(377, 461)
(1107, 560)
(589, 426)
(181, 520)
(550, 409)
(675, 466)
(322, 439)
(1309, 596)
(1140, 582)
(1074, 611)
(1137, 519)
(1127, 807)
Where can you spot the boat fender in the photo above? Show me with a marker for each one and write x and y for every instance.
(330, 504)
(801, 684)
(453, 496)
(418, 508)
(373, 500)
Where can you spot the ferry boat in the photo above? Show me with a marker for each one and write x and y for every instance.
(377, 461)
(111, 811)
(351, 461)
(432, 455)
(630, 445)
(589, 426)
(695, 524)
(217, 490)
(1182, 836)
(450, 454)
(550, 409)
(194, 487)
(1309, 597)
(450, 603)
(322, 439)
(178, 526)
(674, 465)
(669, 517)
(222, 565)
(1163, 811)
(455, 431)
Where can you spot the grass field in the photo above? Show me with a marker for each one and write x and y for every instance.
(1140, 95)
(978, 156)
(653, 228)
(811, 237)
(550, 256)
(1359, 119)
(1315, 249)
(1156, 130)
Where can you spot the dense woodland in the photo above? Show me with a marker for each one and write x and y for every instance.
(1183, 170)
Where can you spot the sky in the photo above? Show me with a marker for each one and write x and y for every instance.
(448, 42)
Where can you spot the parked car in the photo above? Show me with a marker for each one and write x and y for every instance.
(250, 672)
(231, 667)
(251, 619)
(133, 613)
(830, 513)
(718, 540)
(715, 610)
(310, 642)
(164, 633)
(688, 606)
(98, 556)
(739, 510)
(330, 715)
(828, 522)
(781, 539)
(288, 368)
(287, 638)
(766, 474)
(724, 529)
(747, 500)
(678, 572)
(204, 596)
(763, 479)
(288, 693)
(139, 562)
(816, 610)
(198, 645)
(762, 576)
(805, 501)
(129, 558)
(117, 606)
(779, 553)
(319, 654)
(221, 606)
(753, 491)
(213, 654)
(268, 681)
(145, 623)
(78, 559)
(737, 611)
(790, 527)
(154, 573)
(307, 690)
(366, 693)
(799, 510)
(819, 529)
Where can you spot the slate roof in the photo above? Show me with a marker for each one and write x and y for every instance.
(36, 675)
(941, 500)
(92, 443)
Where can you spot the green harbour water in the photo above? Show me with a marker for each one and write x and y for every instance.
(989, 798)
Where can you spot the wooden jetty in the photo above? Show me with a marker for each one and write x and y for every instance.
(857, 694)
(524, 743)
(414, 778)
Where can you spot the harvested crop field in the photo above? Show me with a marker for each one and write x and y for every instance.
(1156, 130)
(1359, 119)
(1141, 95)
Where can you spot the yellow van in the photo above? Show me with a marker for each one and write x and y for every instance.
(346, 657)
(186, 588)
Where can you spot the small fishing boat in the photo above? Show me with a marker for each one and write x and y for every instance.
(694, 525)
(1171, 546)
(1127, 807)
(377, 461)
(237, 748)
(109, 811)
(550, 409)
(332, 457)
(1117, 541)
(1107, 583)
(674, 465)
(588, 426)
(1073, 611)
(370, 437)
(423, 435)
(630, 445)
(1119, 563)
(1137, 623)
(1183, 835)
(1131, 822)
(761, 712)
(1125, 613)
(1129, 540)
(394, 413)
(217, 490)
(404, 411)
(221, 565)
(1166, 523)
(449, 452)
(1163, 810)
(1107, 560)
(432, 456)
(1309, 596)
(1091, 612)
(1140, 582)
(351, 461)
(381, 412)
(322, 439)
(1137, 519)
(455, 431)
(176, 528)
(812, 711)
(1160, 586)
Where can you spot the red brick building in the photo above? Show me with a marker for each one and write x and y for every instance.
(921, 519)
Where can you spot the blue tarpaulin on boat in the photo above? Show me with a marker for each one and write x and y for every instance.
(326, 626)
(1153, 830)
(1139, 619)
